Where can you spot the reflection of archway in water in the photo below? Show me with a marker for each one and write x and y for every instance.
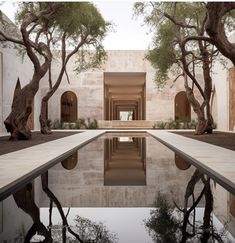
(181, 163)
(71, 162)
(68, 107)
(24, 199)
(125, 161)
(182, 107)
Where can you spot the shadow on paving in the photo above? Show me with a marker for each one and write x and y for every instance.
(7, 146)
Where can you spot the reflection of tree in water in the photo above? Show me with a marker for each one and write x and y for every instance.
(172, 224)
(85, 230)
(89, 231)
(24, 199)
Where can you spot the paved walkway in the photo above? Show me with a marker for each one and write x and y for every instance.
(16, 168)
(217, 162)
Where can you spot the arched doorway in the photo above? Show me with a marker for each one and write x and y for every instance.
(68, 107)
(182, 107)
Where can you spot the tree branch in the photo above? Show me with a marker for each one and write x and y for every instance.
(173, 20)
(67, 76)
(8, 38)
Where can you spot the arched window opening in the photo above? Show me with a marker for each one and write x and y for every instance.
(182, 107)
(68, 107)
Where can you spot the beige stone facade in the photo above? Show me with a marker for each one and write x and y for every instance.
(89, 87)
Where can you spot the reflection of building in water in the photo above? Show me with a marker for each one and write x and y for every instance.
(224, 207)
(86, 185)
(70, 162)
(124, 161)
(181, 163)
(14, 222)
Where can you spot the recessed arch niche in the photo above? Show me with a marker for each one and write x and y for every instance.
(182, 107)
(68, 107)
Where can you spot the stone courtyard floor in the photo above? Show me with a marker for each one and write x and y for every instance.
(7, 146)
(222, 139)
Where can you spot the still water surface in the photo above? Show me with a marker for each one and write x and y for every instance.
(118, 179)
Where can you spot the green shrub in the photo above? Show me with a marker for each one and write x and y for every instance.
(49, 123)
(92, 124)
(175, 124)
(82, 122)
(192, 124)
(57, 124)
(159, 125)
(72, 125)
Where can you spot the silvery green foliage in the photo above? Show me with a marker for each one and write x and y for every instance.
(166, 54)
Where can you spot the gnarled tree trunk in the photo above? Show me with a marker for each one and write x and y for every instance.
(215, 27)
(206, 62)
(16, 122)
(43, 118)
(207, 212)
(198, 109)
(25, 200)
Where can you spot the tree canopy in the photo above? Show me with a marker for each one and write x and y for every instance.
(219, 15)
(44, 27)
(180, 48)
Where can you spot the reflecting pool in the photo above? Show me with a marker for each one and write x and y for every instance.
(118, 179)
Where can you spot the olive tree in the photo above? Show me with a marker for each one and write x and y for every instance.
(169, 222)
(79, 34)
(31, 17)
(45, 27)
(216, 28)
(181, 47)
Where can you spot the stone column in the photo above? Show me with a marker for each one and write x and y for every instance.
(1, 93)
(231, 98)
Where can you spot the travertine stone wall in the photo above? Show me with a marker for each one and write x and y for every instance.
(13, 66)
(14, 221)
(221, 95)
(89, 87)
(231, 98)
(1, 93)
(221, 207)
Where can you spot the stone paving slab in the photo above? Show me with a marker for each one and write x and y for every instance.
(217, 162)
(17, 167)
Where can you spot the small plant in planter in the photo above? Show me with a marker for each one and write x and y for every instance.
(161, 125)
(92, 124)
(57, 124)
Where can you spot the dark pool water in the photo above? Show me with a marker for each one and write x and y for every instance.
(138, 188)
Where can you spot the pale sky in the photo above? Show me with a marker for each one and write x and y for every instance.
(127, 223)
(130, 34)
